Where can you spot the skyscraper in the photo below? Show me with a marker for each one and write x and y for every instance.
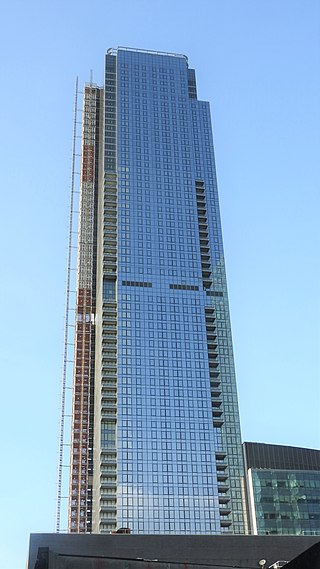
(155, 428)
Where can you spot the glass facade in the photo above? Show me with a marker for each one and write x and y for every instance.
(287, 502)
(283, 489)
(167, 454)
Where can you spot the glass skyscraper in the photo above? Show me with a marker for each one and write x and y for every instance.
(156, 443)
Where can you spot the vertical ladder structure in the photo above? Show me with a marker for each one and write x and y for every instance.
(68, 347)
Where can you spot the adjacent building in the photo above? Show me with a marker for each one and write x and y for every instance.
(283, 489)
(156, 442)
(53, 551)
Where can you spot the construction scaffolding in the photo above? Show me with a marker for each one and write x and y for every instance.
(81, 464)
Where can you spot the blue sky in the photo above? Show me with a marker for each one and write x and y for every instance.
(257, 62)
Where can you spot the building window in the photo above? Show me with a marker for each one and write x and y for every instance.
(109, 289)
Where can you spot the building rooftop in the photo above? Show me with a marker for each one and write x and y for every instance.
(261, 455)
(114, 50)
(55, 551)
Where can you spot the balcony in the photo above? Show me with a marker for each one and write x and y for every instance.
(211, 335)
(109, 405)
(108, 485)
(109, 360)
(217, 414)
(107, 521)
(210, 316)
(212, 354)
(223, 498)
(211, 330)
(110, 508)
(225, 523)
(108, 414)
(220, 455)
(109, 383)
(223, 488)
(110, 392)
(109, 314)
(212, 349)
(224, 510)
(216, 393)
(108, 367)
(222, 477)
(108, 352)
(108, 461)
(109, 326)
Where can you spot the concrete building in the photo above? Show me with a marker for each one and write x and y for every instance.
(156, 442)
(283, 489)
(52, 551)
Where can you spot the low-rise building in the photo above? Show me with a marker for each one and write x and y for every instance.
(98, 551)
(283, 489)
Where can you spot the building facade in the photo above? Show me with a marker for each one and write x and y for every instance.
(53, 551)
(156, 442)
(283, 489)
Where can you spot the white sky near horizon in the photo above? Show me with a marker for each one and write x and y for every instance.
(257, 62)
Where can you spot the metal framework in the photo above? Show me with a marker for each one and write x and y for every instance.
(68, 339)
